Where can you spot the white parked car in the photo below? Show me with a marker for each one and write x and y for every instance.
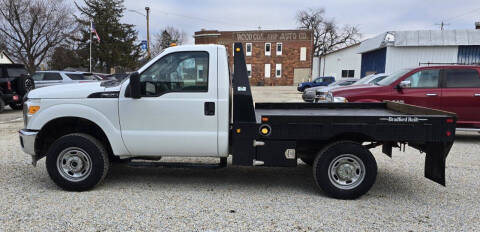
(321, 94)
(48, 78)
(309, 95)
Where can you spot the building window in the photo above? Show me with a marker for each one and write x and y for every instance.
(248, 49)
(303, 54)
(348, 73)
(278, 70)
(249, 70)
(267, 70)
(268, 49)
(279, 49)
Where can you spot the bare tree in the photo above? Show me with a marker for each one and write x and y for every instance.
(326, 34)
(32, 28)
(167, 36)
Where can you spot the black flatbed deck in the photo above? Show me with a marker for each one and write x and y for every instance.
(353, 112)
(278, 133)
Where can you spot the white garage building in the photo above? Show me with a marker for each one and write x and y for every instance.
(394, 50)
(342, 63)
(391, 51)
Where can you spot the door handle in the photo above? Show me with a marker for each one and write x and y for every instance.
(209, 108)
(431, 94)
(477, 95)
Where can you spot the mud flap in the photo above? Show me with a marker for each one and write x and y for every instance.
(435, 161)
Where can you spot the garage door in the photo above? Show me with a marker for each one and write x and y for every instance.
(301, 75)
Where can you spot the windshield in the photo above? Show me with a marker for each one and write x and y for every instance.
(76, 77)
(393, 77)
(16, 72)
(364, 80)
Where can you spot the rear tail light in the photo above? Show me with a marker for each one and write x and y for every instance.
(16, 98)
(449, 133)
(9, 85)
(450, 120)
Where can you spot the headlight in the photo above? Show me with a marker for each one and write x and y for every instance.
(30, 107)
(329, 97)
(340, 99)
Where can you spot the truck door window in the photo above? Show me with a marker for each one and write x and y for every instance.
(176, 72)
(424, 79)
(462, 78)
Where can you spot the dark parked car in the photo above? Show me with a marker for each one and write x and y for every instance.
(14, 84)
(319, 81)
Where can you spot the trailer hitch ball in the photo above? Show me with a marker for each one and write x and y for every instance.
(265, 130)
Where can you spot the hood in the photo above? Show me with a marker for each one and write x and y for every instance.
(70, 91)
(355, 88)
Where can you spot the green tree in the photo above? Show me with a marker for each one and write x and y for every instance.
(118, 45)
(64, 57)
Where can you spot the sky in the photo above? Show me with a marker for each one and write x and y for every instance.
(372, 17)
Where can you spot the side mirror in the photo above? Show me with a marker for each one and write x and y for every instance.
(404, 84)
(135, 85)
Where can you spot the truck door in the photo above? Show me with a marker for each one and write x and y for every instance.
(177, 113)
(461, 94)
(422, 89)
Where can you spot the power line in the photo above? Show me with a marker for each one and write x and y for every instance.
(203, 19)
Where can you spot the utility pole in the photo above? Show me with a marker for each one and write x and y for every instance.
(148, 31)
(442, 25)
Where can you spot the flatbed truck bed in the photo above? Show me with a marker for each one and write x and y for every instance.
(276, 134)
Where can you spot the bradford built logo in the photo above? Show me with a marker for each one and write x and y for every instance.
(403, 119)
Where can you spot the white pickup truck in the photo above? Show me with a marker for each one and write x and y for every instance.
(183, 103)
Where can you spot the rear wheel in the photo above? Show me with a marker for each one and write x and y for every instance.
(24, 84)
(77, 162)
(345, 170)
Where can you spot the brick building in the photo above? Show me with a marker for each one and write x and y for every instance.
(273, 57)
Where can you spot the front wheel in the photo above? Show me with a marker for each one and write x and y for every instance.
(77, 162)
(345, 170)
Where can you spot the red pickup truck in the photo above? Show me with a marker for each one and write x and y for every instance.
(454, 88)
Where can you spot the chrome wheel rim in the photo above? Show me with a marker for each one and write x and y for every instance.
(346, 171)
(74, 164)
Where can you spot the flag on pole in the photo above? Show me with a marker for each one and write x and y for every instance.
(94, 31)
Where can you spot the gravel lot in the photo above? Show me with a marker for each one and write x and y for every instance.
(240, 198)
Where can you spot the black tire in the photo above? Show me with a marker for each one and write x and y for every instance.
(351, 152)
(83, 144)
(24, 84)
(16, 105)
(2, 104)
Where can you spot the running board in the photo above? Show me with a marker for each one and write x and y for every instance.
(222, 164)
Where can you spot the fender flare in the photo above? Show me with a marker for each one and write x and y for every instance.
(53, 112)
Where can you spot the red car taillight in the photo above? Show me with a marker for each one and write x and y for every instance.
(9, 85)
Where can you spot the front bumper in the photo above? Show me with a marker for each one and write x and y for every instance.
(27, 141)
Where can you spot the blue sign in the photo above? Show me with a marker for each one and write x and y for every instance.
(143, 45)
